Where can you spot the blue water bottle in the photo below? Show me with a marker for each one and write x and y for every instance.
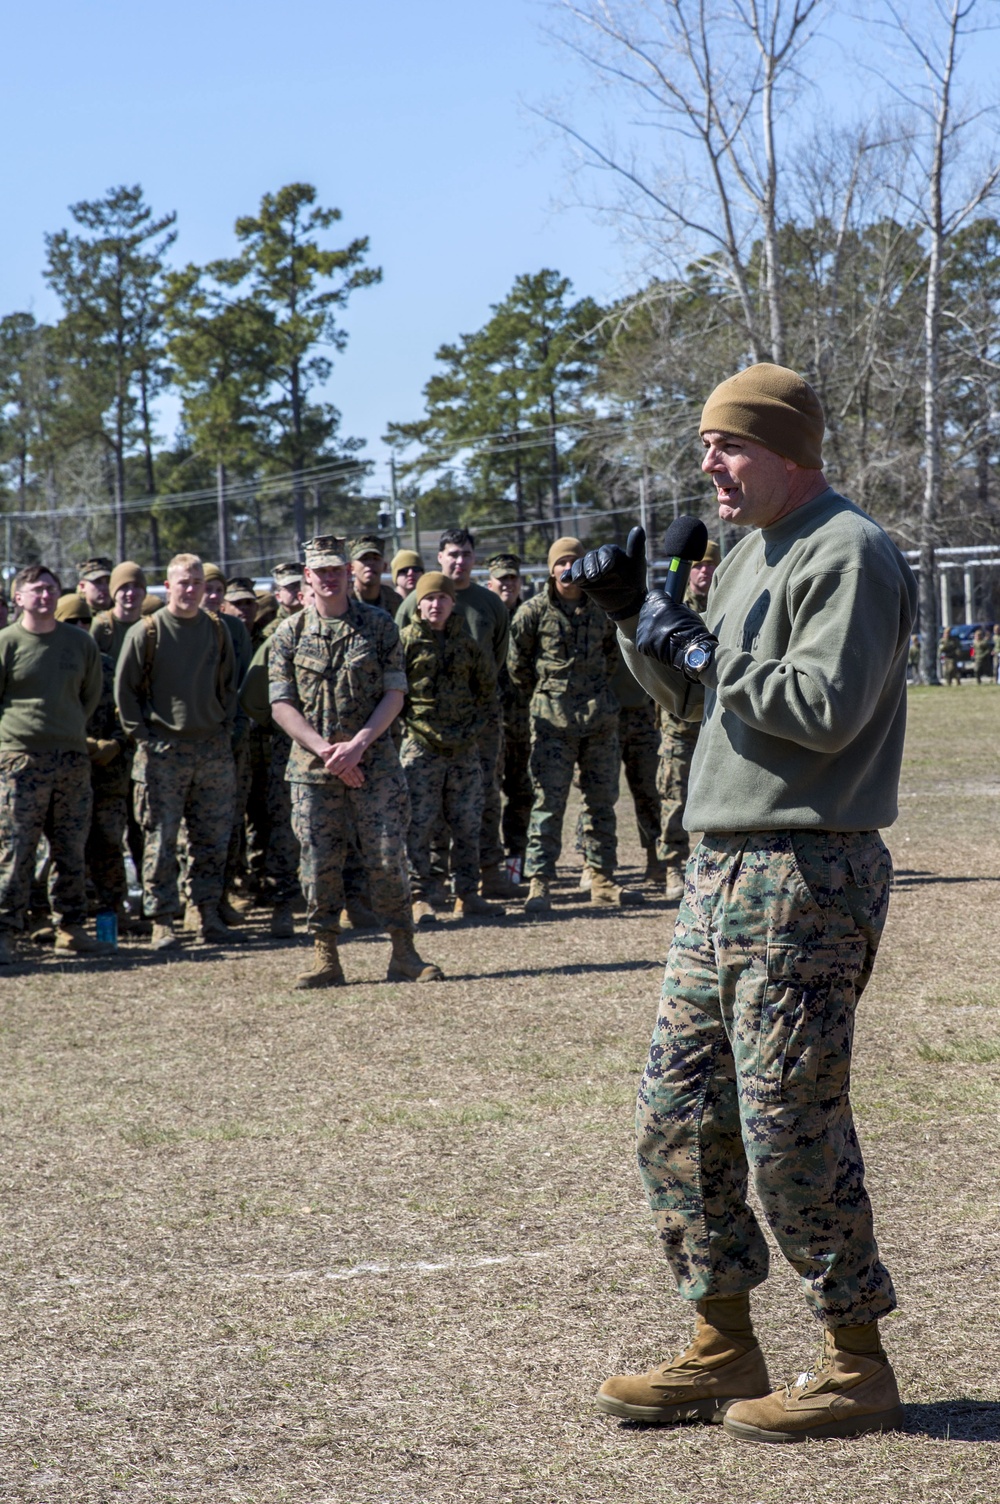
(107, 927)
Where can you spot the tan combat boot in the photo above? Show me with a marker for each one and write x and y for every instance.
(424, 917)
(163, 935)
(404, 963)
(471, 906)
(192, 919)
(606, 894)
(360, 916)
(74, 937)
(656, 870)
(538, 900)
(853, 1392)
(282, 922)
(586, 878)
(723, 1364)
(494, 883)
(326, 970)
(674, 890)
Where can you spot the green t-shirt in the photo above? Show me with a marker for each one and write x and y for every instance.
(50, 686)
(805, 702)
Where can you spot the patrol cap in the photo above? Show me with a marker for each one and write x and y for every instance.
(213, 572)
(434, 583)
(405, 559)
(72, 607)
(500, 565)
(126, 573)
(562, 547)
(287, 575)
(711, 554)
(240, 588)
(325, 551)
(95, 569)
(366, 543)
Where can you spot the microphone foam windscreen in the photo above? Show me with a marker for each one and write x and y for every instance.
(686, 538)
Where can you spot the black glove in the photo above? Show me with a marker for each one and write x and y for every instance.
(666, 630)
(613, 578)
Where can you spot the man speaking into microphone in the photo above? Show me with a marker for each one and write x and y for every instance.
(799, 671)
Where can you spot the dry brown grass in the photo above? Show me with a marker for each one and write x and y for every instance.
(383, 1244)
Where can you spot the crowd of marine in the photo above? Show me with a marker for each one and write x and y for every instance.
(383, 753)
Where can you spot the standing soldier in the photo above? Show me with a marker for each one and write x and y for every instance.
(367, 565)
(489, 622)
(127, 588)
(948, 649)
(451, 685)
(678, 741)
(337, 683)
(176, 693)
(274, 851)
(287, 585)
(515, 780)
(107, 748)
(562, 656)
(50, 686)
(405, 570)
(95, 583)
(982, 648)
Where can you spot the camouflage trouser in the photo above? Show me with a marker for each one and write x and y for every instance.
(43, 793)
(640, 748)
(194, 782)
(749, 1069)
(555, 751)
(516, 785)
(672, 774)
(323, 816)
(104, 851)
(236, 851)
(491, 852)
(258, 822)
(448, 786)
(282, 858)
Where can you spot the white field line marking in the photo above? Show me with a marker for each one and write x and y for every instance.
(420, 1266)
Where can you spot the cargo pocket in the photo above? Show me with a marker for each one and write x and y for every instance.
(801, 1003)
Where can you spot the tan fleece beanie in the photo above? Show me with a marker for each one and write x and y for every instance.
(563, 546)
(769, 405)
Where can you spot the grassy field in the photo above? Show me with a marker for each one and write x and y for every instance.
(384, 1243)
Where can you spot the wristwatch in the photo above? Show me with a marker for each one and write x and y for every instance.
(696, 659)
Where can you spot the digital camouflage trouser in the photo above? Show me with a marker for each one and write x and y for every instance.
(639, 745)
(749, 1069)
(194, 782)
(104, 851)
(555, 752)
(515, 783)
(236, 850)
(43, 793)
(378, 813)
(451, 787)
(281, 864)
(491, 852)
(672, 775)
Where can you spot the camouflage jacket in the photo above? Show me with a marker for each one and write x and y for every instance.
(513, 705)
(562, 657)
(335, 670)
(451, 685)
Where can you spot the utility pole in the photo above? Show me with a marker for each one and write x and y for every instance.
(220, 479)
(395, 503)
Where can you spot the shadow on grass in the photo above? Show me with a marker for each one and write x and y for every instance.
(585, 968)
(918, 879)
(954, 1420)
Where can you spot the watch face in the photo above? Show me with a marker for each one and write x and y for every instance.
(696, 657)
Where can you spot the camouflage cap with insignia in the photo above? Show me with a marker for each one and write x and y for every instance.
(503, 564)
(366, 543)
(239, 587)
(286, 575)
(325, 552)
(95, 569)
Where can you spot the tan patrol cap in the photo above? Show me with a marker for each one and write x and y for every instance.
(95, 569)
(239, 587)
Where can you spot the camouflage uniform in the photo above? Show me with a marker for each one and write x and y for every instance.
(514, 778)
(109, 781)
(451, 685)
(678, 739)
(335, 671)
(982, 644)
(43, 793)
(639, 745)
(563, 655)
(749, 1069)
(948, 649)
(279, 850)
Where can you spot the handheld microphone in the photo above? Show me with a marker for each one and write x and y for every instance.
(684, 544)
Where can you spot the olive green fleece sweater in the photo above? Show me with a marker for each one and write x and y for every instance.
(805, 702)
(192, 695)
(50, 686)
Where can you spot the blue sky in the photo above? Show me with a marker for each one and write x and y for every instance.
(407, 117)
(411, 118)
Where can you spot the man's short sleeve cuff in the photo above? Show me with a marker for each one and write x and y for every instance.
(394, 679)
(278, 691)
